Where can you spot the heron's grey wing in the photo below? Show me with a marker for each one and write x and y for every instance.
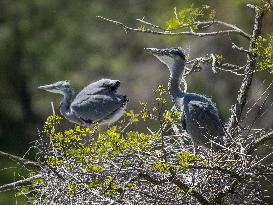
(205, 116)
(100, 86)
(93, 108)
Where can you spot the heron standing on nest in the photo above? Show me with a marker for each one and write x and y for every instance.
(200, 116)
(96, 103)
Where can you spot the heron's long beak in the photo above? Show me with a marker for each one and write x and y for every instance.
(156, 51)
(49, 88)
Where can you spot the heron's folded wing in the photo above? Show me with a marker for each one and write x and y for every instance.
(96, 107)
(100, 86)
(205, 116)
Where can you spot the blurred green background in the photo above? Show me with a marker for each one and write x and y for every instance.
(45, 41)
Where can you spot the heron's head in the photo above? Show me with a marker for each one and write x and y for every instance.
(61, 87)
(174, 58)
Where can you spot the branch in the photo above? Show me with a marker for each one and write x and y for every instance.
(170, 33)
(150, 179)
(216, 63)
(237, 109)
(240, 48)
(231, 173)
(229, 190)
(243, 33)
(19, 160)
(19, 183)
(191, 192)
(260, 142)
(179, 184)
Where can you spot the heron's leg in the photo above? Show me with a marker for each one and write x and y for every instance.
(101, 129)
(91, 139)
(194, 147)
(86, 140)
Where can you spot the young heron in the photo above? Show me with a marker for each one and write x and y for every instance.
(200, 116)
(96, 103)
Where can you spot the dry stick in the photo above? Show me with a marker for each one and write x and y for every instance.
(225, 171)
(251, 64)
(19, 183)
(261, 141)
(20, 160)
(258, 100)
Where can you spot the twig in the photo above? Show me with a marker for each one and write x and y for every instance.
(53, 109)
(240, 48)
(20, 160)
(19, 183)
(260, 142)
(150, 24)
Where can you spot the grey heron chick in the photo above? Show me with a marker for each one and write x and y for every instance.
(96, 103)
(200, 115)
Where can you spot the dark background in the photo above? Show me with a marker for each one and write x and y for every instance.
(45, 41)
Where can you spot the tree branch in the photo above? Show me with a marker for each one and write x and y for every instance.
(216, 64)
(194, 193)
(260, 142)
(248, 73)
(170, 33)
(179, 184)
(20, 160)
(229, 190)
(231, 173)
(19, 183)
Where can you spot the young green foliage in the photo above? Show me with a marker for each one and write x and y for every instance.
(189, 17)
(84, 161)
(185, 159)
(264, 50)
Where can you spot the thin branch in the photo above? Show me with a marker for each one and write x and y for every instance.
(179, 184)
(150, 24)
(215, 63)
(150, 179)
(231, 173)
(261, 141)
(228, 190)
(243, 33)
(170, 33)
(19, 160)
(192, 192)
(240, 48)
(19, 183)
(237, 109)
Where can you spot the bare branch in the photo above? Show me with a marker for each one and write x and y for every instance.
(240, 48)
(19, 160)
(19, 183)
(215, 63)
(226, 171)
(194, 193)
(231, 26)
(247, 80)
(226, 191)
(150, 24)
(150, 179)
(259, 142)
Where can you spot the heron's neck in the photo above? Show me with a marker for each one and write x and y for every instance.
(174, 85)
(65, 104)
